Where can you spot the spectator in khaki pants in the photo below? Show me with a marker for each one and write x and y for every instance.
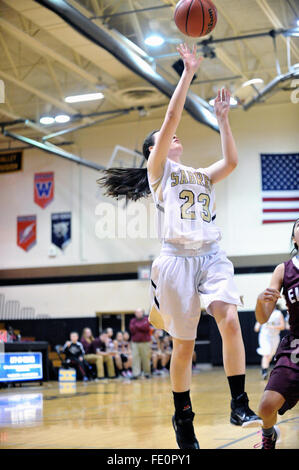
(87, 340)
(99, 347)
(141, 341)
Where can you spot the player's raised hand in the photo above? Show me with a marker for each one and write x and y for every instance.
(269, 295)
(222, 104)
(189, 57)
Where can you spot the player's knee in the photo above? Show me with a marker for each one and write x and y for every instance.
(266, 408)
(232, 326)
(184, 352)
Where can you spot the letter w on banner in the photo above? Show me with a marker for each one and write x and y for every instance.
(26, 227)
(43, 188)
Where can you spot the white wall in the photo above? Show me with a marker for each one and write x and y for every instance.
(85, 299)
(262, 129)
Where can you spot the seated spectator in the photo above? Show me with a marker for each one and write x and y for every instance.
(157, 352)
(11, 335)
(122, 356)
(127, 349)
(74, 354)
(167, 348)
(110, 333)
(87, 339)
(100, 347)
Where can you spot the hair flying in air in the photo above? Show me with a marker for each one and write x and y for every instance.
(129, 182)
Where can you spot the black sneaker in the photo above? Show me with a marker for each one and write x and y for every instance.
(241, 414)
(184, 432)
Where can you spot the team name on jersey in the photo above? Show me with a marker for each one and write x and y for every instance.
(190, 177)
(293, 295)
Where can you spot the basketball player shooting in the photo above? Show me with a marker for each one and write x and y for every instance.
(191, 263)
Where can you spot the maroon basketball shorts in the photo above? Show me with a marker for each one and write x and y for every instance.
(284, 378)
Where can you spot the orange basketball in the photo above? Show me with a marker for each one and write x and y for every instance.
(195, 17)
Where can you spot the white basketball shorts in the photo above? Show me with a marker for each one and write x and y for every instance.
(268, 344)
(179, 282)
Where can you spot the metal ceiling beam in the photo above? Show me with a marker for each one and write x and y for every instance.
(67, 64)
(268, 88)
(129, 12)
(130, 59)
(267, 10)
(54, 151)
(27, 122)
(44, 96)
(45, 51)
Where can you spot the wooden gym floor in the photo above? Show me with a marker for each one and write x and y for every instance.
(130, 415)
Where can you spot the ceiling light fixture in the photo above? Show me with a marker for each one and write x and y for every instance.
(86, 97)
(254, 81)
(62, 118)
(154, 40)
(292, 32)
(46, 120)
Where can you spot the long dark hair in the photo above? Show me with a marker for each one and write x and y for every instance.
(295, 244)
(129, 182)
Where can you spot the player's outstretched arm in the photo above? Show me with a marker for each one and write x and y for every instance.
(174, 111)
(221, 169)
(266, 301)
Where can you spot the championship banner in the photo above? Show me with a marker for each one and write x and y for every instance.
(61, 229)
(10, 162)
(26, 232)
(43, 188)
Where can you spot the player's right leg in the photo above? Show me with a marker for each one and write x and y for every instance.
(180, 376)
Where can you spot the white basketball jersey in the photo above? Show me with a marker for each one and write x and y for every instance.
(185, 202)
(274, 320)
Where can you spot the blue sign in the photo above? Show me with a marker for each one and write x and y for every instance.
(16, 367)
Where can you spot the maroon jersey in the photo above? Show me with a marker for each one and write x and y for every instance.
(291, 293)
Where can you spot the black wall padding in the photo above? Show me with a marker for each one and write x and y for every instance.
(250, 338)
(127, 57)
(55, 330)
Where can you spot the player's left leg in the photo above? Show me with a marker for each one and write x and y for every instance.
(226, 316)
(180, 376)
(269, 406)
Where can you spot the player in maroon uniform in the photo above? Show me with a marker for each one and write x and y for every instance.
(282, 391)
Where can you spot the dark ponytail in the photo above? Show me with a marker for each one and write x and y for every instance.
(129, 182)
(295, 244)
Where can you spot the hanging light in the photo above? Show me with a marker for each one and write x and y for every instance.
(62, 118)
(154, 40)
(85, 97)
(46, 120)
(254, 81)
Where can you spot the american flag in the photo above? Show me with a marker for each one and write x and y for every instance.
(280, 187)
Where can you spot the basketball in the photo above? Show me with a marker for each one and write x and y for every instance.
(195, 18)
